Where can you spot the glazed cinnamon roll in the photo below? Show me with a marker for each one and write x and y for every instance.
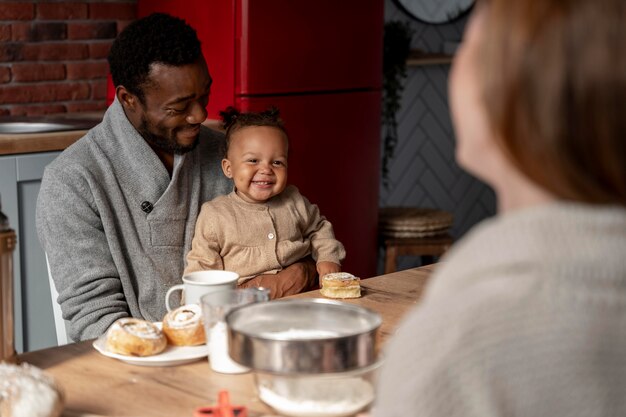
(183, 326)
(134, 337)
(340, 285)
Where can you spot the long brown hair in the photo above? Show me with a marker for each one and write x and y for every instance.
(554, 82)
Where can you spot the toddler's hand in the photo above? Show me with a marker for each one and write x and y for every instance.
(324, 268)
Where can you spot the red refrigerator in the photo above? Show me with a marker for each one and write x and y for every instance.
(320, 63)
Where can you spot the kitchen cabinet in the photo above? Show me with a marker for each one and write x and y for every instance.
(20, 179)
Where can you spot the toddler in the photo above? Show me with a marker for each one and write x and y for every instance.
(264, 225)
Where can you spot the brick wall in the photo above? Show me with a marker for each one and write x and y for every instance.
(53, 53)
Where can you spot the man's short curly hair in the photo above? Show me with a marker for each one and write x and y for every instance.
(157, 38)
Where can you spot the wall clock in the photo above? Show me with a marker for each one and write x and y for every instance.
(435, 11)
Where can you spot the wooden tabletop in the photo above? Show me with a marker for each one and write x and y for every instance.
(97, 385)
(38, 142)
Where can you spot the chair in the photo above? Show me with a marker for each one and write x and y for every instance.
(414, 231)
(59, 322)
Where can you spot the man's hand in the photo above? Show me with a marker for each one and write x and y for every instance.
(296, 278)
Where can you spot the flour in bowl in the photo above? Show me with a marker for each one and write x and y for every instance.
(313, 396)
(297, 334)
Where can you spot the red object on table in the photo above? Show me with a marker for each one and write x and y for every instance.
(222, 409)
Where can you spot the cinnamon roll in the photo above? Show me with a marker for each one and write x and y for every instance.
(134, 337)
(340, 285)
(183, 326)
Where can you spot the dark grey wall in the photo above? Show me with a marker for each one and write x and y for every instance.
(423, 172)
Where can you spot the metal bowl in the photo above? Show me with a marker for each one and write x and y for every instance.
(305, 336)
(44, 124)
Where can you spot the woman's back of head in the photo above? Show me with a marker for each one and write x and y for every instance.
(553, 74)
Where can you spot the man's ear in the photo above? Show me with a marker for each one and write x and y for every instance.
(226, 168)
(126, 98)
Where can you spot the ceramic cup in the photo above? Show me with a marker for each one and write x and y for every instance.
(215, 306)
(197, 284)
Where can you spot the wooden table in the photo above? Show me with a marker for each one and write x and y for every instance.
(98, 385)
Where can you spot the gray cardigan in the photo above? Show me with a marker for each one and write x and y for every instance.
(108, 257)
(526, 316)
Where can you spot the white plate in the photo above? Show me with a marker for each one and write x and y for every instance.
(171, 356)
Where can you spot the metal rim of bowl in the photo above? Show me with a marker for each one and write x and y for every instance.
(304, 301)
(373, 367)
(332, 354)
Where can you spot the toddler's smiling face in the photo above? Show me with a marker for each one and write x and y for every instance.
(257, 162)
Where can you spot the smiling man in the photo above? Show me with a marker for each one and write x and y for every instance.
(116, 210)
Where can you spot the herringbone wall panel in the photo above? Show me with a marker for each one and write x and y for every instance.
(423, 172)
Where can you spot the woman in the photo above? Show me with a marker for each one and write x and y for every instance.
(527, 315)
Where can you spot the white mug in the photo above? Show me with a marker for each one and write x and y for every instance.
(198, 283)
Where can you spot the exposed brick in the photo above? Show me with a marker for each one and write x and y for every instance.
(100, 30)
(61, 11)
(5, 75)
(54, 51)
(11, 52)
(37, 110)
(26, 94)
(87, 70)
(5, 33)
(25, 72)
(48, 32)
(99, 90)
(122, 11)
(121, 25)
(17, 11)
(44, 92)
(73, 91)
(18, 111)
(85, 106)
(99, 49)
(20, 31)
(57, 35)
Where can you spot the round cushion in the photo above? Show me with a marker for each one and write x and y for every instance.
(413, 222)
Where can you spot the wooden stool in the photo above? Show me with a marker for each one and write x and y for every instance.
(413, 231)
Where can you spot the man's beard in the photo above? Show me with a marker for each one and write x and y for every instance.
(164, 143)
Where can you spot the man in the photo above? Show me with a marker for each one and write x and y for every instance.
(116, 210)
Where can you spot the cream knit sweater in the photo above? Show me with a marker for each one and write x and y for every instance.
(526, 316)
